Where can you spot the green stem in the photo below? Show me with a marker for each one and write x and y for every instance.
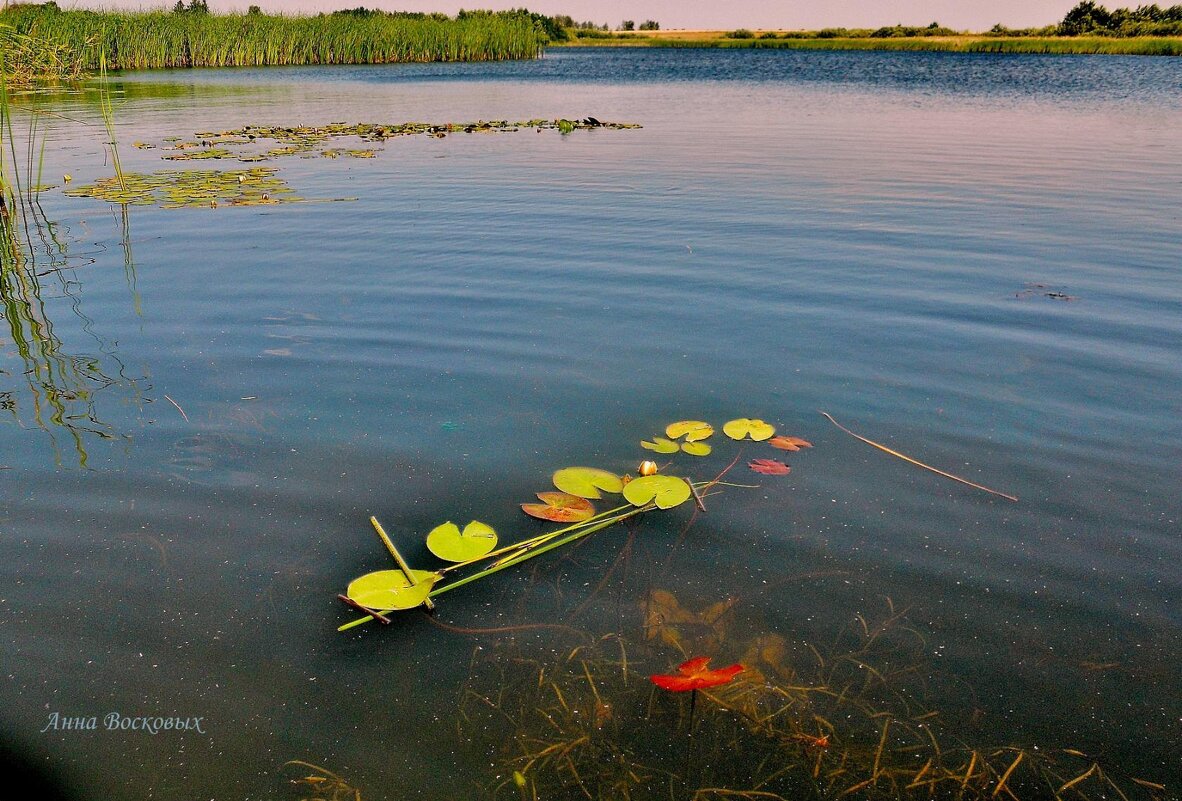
(532, 541)
(547, 543)
(539, 550)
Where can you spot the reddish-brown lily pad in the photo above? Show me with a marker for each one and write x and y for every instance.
(785, 443)
(560, 507)
(769, 467)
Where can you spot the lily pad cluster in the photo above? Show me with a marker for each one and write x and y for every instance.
(690, 432)
(310, 141)
(254, 186)
(473, 551)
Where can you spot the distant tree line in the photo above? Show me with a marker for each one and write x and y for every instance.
(1089, 18)
(194, 7)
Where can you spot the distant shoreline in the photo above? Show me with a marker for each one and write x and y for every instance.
(964, 43)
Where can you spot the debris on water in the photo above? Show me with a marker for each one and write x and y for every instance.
(1033, 290)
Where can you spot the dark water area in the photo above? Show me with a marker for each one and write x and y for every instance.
(973, 259)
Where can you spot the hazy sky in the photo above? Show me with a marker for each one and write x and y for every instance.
(960, 14)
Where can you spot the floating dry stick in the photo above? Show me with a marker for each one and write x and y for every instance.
(917, 463)
(178, 408)
(375, 614)
(402, 565)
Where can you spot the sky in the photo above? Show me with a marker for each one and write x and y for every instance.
(972, 15)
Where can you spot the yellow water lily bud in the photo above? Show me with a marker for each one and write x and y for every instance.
(67, 177)
(648, 468)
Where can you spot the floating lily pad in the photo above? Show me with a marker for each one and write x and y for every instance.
(172, 189)
(196, 155)
(696, 448)
(661, 445)
(692, 430)
(452, 545)
(560, 507)
(665, 491)
(758, 430)
(586, 482)
(786, 443)
(310, 140)
(387, 590)
(769, 467)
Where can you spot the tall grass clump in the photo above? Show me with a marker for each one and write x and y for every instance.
(158, 39)
(24, 58)
(1082, 45)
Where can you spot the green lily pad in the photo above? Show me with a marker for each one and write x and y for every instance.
(586, 482)
(665, 491)
(758, 430)
(661, 445)
(387, 590)
(452, 545)
(692, 430)
(696, 448)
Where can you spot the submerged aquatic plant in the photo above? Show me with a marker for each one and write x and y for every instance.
(696, 674)
(791, 720)
(322, 784)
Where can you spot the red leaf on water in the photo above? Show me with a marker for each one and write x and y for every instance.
(789, 443)
(769, 467)
(695, 675)
(560, 507)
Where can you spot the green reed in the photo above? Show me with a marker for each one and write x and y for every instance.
(24, 58)
(56, 43)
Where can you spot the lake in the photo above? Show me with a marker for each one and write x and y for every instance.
(970, 259)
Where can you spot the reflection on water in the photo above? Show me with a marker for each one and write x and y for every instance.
(49, 387)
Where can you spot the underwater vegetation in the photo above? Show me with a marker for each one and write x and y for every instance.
(321, 784)
(614, 716)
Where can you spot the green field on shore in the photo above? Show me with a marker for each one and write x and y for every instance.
(963, 43)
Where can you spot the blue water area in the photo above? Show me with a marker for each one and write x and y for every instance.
(970, 259)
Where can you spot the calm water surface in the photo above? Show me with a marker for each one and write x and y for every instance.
(887, 237)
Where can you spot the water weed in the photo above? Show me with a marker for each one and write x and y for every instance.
(191, 188)
(789, 720)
